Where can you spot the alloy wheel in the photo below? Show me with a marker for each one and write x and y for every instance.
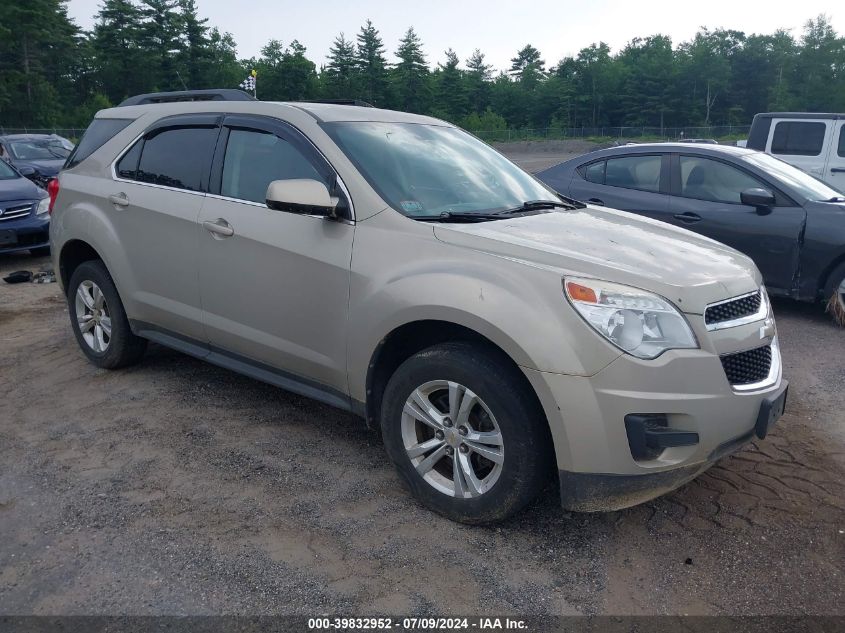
(92, 315)
(452, 439)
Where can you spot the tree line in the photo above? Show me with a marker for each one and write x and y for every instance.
(52, 73)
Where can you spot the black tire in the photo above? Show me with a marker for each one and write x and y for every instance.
(44, 251)
(835, 295)
(124, 348)
(528, 453)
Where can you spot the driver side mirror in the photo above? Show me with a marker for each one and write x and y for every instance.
(759, 198)
(302, 195)
(27, 171)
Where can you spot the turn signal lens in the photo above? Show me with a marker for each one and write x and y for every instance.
(577, 292)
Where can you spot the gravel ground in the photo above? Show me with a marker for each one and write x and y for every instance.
(176, 487)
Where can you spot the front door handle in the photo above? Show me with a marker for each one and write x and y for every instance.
(119, 200)
(596, 201)
(687, 217)
(218, 227)
(837, 170)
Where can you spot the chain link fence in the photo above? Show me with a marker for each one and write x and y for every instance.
(629, 133)
(72, 133)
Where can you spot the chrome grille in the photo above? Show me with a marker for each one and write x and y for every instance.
(749, 367)
(15, 212)
(733, 309)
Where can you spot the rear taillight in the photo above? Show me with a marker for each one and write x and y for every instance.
(53, 190)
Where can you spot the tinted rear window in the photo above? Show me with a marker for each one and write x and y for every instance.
(798, 138)
(177, 157)
(841, 150)
(634, 172)
(100, 131)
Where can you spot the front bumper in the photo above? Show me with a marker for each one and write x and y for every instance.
(24, 234)
(687, 388)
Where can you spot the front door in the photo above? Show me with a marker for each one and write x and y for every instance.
(276, 289)
(835, 173)
(707, 200)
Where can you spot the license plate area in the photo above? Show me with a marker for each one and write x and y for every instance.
(771, 409)
(8, 238)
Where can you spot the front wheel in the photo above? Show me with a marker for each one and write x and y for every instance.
(835, 293)
(465, 432)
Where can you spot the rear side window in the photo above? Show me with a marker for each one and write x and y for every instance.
(254, 159)
(841, 150)
(177, 157)
(634, 172)
(798, 138)
(100, 131)
(594, 172)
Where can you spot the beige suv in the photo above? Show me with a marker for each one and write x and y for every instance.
(395, 266)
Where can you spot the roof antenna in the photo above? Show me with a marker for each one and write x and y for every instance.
(182, 80)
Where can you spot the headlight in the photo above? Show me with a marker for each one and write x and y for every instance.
(638, 322)
(43, 206)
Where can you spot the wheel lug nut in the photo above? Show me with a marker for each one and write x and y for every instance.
(447, 422)
(464, 448)
(463, 430)
(439, 435)
(450, 450)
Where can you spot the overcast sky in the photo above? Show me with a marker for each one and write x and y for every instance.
(498, 27)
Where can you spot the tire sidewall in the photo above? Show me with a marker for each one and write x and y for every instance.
(526, 446)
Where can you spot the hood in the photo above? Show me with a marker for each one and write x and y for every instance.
(20, 189)
(43, 167)
(688, 269)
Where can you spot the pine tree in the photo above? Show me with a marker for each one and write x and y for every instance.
(372, 64)
(527, 67)
(478, 78)
(116, 50)
(341, 73)
(411, 73)
(161, 39)
(196, 56)
(451, 92)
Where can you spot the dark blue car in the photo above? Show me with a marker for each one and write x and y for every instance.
(39, 157)
(24, 214)
(791, 224)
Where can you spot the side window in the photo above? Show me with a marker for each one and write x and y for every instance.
(634, 172)
(177, 157)
(127, 167)
(798, 138)
(594, 172)
(841, 150)
(98, 133)
(706, 179)
(255, 158)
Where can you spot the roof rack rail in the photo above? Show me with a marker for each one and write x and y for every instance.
(222, 94)
(349, 102)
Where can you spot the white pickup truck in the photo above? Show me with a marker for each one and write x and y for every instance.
(810, 141)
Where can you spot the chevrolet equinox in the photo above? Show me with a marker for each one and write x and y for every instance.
(397, 267)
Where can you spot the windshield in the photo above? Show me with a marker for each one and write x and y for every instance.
(808, 186)
(6, 172)
(51, 149)
(424, 171)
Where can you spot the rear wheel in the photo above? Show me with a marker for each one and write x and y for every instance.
(99, 320)
(466, 434)
(835, 293)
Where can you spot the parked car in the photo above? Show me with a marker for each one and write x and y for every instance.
(791, 224)
(24, 214)
(810, 141)
(39, 157)
(395, 266)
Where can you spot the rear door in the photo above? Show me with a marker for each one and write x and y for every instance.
(155, 200)
(637, 183)
(835, 172)
(706, 199)
(276, 288)
(803, 143)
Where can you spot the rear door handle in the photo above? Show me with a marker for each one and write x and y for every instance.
(687, 217)
(596, 201)
(119, 200)
(218, 227)
(837, 170)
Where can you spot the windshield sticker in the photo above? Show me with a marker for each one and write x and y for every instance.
(411, 206)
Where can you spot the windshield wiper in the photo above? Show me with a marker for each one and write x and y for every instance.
(537, 205)
(836, 199)
(458, 216)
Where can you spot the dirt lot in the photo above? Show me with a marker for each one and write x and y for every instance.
(176, 487)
